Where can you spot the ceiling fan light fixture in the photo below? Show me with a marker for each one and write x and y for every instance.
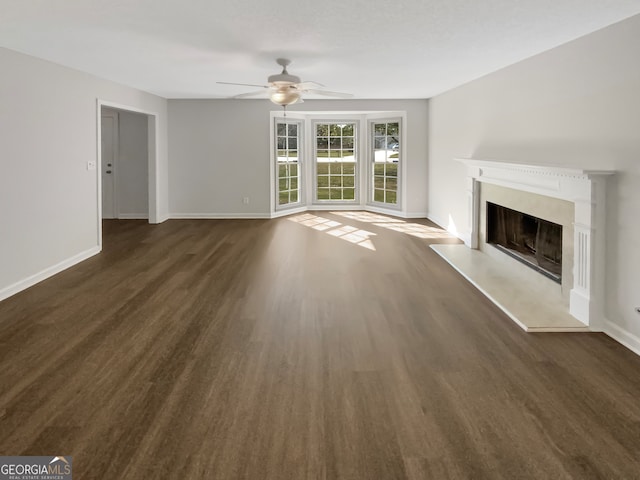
(285, 96)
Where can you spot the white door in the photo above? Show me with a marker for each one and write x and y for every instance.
(109, 158)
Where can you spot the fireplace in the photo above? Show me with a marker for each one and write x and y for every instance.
(533, 241)
(582, 236)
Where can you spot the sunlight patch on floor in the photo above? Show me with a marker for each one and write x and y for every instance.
(345, 232)
(367, 217)
(415, 229)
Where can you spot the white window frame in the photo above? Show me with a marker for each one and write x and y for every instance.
(363, 145)
(314, 161)
(276, 206)
(370, 164)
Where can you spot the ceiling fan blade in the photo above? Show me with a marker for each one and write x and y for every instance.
(327, 93)
(243, 84)
(309, 84)
(250, 94)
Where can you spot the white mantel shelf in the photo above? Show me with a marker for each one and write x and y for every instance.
(586, 190)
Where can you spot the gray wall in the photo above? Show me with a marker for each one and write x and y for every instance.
(48, 198)
(576, 105)
(219, 152)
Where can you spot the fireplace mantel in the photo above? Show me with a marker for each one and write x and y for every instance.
(585, 189)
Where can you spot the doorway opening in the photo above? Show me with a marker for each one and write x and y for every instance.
(127, 164)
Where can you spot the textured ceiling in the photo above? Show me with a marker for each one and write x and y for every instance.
(371, 48)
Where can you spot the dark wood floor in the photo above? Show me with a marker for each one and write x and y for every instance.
(275, 349)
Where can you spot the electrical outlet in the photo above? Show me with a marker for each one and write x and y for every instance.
(91, 165)
(245, 200)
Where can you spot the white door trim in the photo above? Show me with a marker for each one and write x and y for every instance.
(153, 165)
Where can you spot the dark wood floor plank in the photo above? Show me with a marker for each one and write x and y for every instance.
(316, 346)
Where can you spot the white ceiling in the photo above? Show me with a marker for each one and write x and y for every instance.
(371, 48)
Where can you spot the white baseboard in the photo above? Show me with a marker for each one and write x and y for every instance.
(436, 219)
(164, 217)
(620, 335)
(443, 224)
(282, 213)
(133, 216)
(218, 216)
(47, 272)
(416, 215)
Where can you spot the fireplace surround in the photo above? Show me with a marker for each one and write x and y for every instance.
(585, 190)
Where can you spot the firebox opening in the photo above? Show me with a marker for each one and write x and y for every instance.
(532, 241)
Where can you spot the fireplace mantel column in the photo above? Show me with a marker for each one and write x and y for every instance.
(588, 265)
(473, 212)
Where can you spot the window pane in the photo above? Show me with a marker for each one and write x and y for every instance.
(323, 168)
(392, 184)
(293, 170)
(293, 155)
(348, 181)
(322, 130)
(392, 169)
(334, 130)
(378, 169)
(322, 143)
(283, 183)
(347, 142)
(336, 194)
(281, 129)
(393, 128)
(348, 130)
(323, 181)
(391, 197)
(293, 143)
(349, 194)
(293, 182)
(323, 193)
(283, 198)
(322, 154)
(378, 195)
(335, 143)
(348, 168)
(335, 168)
(282, 171)
(294, 196)
(378, 182)
(282, 143)
(293, 130)
(335, 181)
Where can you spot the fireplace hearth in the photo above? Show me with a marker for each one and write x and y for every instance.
(533, 241)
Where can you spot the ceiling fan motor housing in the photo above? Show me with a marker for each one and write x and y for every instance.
(283, 78)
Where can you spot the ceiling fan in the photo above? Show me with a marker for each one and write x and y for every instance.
(285, 89)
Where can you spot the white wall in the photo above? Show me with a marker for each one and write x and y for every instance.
(219, 152)
(133, 165)
(576, 105)
(48, 133)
